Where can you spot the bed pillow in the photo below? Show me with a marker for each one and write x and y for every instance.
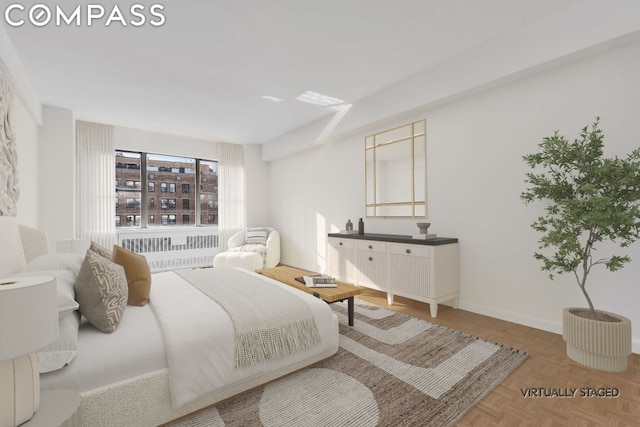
(65, 281)
(70, 262)
(61, 352)
(138, 274)
(101, 290)
(256, 235)
(100, 250)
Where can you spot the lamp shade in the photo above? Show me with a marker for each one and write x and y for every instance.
(28, 315)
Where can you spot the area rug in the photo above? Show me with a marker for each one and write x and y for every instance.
(391, 369)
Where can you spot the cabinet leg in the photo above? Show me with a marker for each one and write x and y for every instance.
(434, 310)
(389, 298)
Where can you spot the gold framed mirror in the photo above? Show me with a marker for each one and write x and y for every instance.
(396, 172)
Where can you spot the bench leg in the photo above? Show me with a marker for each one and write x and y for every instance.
(350, 309)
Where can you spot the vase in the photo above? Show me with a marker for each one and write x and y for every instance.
(597, 344)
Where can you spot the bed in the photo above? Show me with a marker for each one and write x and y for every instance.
(128, 377)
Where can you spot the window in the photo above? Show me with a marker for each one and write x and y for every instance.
(168, 203)
(128, 194)
(208, 192)
(137, 175)
(133, 203)
(168, 219)
(133, 220)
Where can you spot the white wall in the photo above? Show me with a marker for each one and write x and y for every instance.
(56, 181)
(475, 177)
(28, 171)
(257, 186)
(125, 138)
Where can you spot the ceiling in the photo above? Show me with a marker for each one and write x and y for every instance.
(205, 71)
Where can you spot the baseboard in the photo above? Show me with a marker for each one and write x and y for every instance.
(533, 322)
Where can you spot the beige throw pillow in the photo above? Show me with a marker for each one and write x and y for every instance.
(138, 274)
(100, 250)
(102, 292)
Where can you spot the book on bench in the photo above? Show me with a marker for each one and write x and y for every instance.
(318, 281)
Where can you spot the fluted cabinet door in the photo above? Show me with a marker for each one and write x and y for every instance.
(371, 264)
(341, 258)
(410, 270)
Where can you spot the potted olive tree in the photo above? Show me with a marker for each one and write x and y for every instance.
(589, 199)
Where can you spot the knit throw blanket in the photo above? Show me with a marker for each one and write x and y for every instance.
(269, 322)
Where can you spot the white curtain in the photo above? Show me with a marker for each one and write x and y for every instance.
(96, 183)
(232, 210)
(9, 191)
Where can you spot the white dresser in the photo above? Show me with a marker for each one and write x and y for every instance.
(423, 270)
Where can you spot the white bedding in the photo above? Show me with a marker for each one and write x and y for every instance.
(133, 349)
(137, 346)
(209, 363)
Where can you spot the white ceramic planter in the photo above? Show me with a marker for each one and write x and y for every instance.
(600, 345)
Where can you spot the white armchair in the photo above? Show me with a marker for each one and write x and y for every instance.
(249, 255)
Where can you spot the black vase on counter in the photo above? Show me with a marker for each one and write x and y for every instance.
(360, 227)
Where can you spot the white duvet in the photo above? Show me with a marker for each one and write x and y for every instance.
(199, 336)
(137, 346)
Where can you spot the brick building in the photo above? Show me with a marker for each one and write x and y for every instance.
(166, 193)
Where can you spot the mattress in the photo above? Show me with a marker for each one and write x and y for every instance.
(110, 366)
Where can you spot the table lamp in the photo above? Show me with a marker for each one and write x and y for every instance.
(28, 322)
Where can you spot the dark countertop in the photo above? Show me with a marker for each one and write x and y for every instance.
(397, 238)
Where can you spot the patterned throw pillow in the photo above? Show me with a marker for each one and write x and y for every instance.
(256, 235)
(100, 250)
(102, 291)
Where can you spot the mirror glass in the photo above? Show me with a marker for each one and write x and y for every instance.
(395, 172)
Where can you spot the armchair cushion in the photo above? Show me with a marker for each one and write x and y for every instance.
(258, 248)
(256, 236)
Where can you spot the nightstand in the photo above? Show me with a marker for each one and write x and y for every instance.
(58, 408)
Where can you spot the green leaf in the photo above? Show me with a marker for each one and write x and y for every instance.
(589, 199)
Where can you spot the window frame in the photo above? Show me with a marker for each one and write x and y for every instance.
(165, 190)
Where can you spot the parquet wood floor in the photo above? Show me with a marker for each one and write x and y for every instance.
(547, 367)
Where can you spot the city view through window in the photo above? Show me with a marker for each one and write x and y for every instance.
(159, 190)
